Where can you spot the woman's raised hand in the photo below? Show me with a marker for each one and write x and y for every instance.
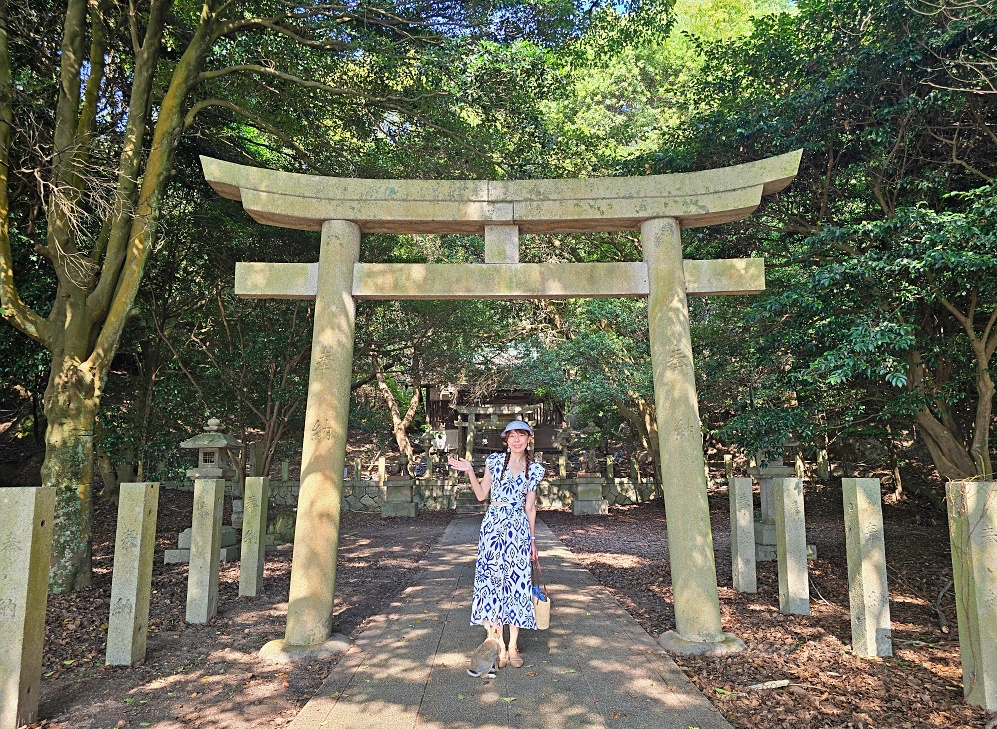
(460, 464)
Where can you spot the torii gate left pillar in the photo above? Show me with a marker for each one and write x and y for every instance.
(323, 454)
(658, 205)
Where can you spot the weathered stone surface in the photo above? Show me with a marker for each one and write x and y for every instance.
(742, 534)
(25, 550)
(323, 458)
(446, 206)
(499, 281)
(280, 651)
(765, 532)
(202, 578)
(675, 643)
(589, 489)
(690, 540)
(229, 537)
(501, 244)
(791, 545)
(972, 530)
(391, 509)
(868, 594)
(182, 556)
(399, 491)
(131, 579)
(586, 507)
(254, 532)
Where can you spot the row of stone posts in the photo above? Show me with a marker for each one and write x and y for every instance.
(26, 538)
(973, 534)
(25, 550)
(867, 588)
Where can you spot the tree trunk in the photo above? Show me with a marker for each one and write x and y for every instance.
(979, 450)
(400, 423)
(70, 409)
(642, 416)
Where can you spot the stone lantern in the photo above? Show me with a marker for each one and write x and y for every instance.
(563, 439)
(215, 459)
(215, 453)
(590, 461)
(765, 471)
(589, 483)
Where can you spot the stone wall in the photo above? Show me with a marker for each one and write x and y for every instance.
(438, 495)
(428, 494)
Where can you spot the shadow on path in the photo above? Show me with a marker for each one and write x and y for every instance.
(595, 667)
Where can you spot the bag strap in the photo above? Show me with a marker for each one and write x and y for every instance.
(540, 570)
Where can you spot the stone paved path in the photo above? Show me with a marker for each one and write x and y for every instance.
(595, 667)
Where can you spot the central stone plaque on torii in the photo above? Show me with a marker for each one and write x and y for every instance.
(657, 205)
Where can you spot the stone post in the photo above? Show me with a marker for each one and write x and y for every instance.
(285, 470)
(131, 578)
(254, 536)
(357, 471)
(316, 536)
(742, 535)
(868, 595)
(562, 467)
(205, 546)
(766, 498)
(972, 530)
(823, 466)
(690, 541)
(25, 550)
(791, 546)
(728, 465)
(469, 439)
(610, 471)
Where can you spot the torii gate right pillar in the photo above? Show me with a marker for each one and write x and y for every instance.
(690, 540)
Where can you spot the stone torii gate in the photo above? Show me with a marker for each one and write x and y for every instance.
(658, 205)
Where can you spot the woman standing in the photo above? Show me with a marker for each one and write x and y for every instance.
(506, 546)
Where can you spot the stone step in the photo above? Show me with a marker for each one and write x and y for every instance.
(467, 503)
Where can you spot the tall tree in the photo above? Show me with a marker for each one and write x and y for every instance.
(94, 99)
(880, 308)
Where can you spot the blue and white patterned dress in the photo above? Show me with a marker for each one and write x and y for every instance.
(502, 573)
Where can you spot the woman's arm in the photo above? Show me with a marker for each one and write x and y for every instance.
(531, 516)
(481, 488)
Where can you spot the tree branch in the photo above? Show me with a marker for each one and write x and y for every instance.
(119, 223)
(297, 80)
(259, 122)
(989, 336)
(12, 308)
(272, 24)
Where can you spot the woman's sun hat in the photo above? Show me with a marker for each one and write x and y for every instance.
(518, 425)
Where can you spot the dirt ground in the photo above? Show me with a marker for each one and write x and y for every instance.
(209, 676)
(920, 686)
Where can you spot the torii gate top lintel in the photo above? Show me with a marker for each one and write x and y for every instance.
(695, 199)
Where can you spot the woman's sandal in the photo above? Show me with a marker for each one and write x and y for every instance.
(503, 658)
(515, 660)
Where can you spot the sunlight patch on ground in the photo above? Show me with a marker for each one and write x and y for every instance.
(623, 561)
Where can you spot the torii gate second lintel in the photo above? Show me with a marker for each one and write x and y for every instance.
(659, 206)
(498, 280)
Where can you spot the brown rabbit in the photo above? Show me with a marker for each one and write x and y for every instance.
(484, 660)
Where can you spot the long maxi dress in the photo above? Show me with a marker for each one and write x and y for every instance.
(502, 573)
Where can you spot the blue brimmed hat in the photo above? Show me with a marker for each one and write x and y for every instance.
(518, 425)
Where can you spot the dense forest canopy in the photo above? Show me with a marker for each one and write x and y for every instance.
(117, 261)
